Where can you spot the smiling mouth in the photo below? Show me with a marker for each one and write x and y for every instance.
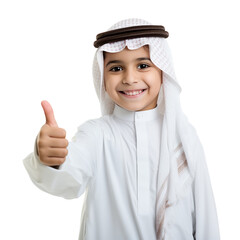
(132, 92)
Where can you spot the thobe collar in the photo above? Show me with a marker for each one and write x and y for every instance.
(132, 116)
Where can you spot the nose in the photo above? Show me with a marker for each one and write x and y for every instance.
(130, 77)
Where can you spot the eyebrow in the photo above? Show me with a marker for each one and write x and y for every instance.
(141, 59)
(118, 61)
(113, 61)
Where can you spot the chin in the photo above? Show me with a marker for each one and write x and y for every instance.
(133, 108)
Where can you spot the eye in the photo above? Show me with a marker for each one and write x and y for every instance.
(116, 69)
(143, 66)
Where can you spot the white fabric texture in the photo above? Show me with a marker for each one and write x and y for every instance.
(113, 160)
(174, 175)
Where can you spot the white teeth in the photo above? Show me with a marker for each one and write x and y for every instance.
(133, 93)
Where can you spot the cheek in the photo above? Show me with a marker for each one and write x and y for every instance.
(107, 85)
(159, 78)
(105, 82)
(155, 80)
(110, 83)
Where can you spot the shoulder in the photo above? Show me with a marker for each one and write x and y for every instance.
(97, 126)
(192, 144)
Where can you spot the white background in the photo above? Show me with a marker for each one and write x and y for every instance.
(46, 52)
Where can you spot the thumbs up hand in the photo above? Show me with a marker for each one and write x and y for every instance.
(51, 143)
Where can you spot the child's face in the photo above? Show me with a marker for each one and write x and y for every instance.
(131, 79)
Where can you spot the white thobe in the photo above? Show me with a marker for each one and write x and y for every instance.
(115, 160)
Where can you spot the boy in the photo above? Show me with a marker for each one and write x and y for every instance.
(141, 164)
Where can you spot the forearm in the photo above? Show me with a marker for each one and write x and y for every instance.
(61, 182)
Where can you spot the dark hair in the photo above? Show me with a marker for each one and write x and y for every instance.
(104, 52)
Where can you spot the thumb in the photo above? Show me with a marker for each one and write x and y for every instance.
(48, 111)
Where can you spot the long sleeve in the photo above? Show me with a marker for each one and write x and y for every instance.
(73, 176)
(206, 225)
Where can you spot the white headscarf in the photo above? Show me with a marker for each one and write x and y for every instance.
(179, 141)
